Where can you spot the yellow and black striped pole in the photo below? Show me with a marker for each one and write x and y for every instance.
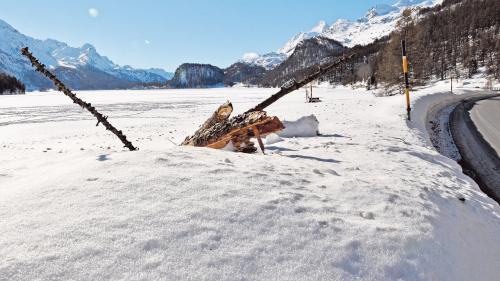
(407, 83)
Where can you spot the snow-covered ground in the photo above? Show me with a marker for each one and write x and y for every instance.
(369, 199)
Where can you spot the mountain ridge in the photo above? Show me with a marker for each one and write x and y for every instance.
(379, 21)
(56, 54)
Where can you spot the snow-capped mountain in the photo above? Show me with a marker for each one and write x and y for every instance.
(56, 55)
(289, 47)
(268, 61)
(379, 21)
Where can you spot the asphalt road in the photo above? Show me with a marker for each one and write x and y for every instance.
(474, 126)
(486, 117)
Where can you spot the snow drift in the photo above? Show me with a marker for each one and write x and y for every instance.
(366, 200)
(306, 126)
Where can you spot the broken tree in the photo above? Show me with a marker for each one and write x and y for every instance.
(219, 130)
(61, 87)
(238, 130)
(220, 115)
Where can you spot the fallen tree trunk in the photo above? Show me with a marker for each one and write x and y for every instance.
(237, 130)
(61, 87)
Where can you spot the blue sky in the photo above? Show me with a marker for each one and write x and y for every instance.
(154, 33)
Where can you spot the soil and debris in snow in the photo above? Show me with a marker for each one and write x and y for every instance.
(368, 199)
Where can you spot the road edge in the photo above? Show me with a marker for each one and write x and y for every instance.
(478, 159)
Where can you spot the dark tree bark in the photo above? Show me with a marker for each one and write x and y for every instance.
(61, 87)
(220, 115)
(238, 129)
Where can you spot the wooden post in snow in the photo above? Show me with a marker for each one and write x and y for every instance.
(407, 83)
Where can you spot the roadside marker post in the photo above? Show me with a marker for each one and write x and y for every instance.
(407, 83)
(451, 83)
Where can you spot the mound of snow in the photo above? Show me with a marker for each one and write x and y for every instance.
(306, 126)
(273, 138)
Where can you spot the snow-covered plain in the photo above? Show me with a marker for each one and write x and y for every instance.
(369, 199)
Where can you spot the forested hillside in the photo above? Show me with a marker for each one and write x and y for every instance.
(195, 75)
(455, 38)
(242, 73)
(309, 53)
(10, 85)
(458, 38)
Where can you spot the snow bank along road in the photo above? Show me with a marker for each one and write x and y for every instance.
(475, 125)
(369, 199)
(454, 134)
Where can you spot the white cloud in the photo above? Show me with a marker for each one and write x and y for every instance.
(147, 42)
(93, 12)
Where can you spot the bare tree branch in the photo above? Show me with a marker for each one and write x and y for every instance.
(61, 87)
(293, 85)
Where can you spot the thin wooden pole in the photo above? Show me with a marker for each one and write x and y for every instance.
(259, 139)
(407, 83)
(451, 83)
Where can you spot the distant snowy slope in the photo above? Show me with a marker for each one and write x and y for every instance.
(289, 47)
(378, 22)
(268, 61)
(56, 54)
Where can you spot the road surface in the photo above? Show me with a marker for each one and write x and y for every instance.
(486, 117)
(474, 125)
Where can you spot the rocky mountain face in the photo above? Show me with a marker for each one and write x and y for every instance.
(309, 53)
(194, 75)
(81, 62)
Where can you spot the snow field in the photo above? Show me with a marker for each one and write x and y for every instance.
(369, 199)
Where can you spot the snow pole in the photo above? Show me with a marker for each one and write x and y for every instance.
(101, 119)
(451, 83)
(407, 83)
